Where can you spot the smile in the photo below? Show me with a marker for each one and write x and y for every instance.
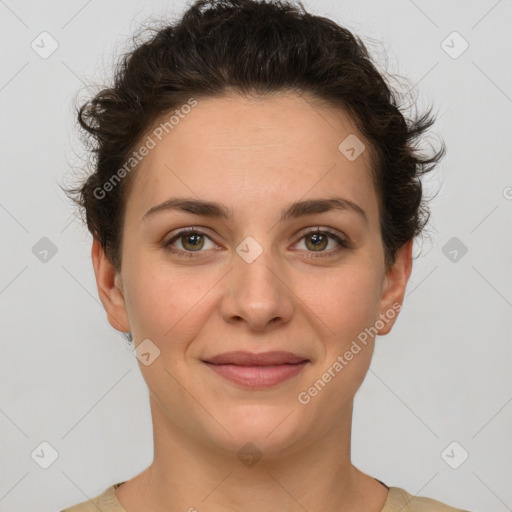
(257, 376)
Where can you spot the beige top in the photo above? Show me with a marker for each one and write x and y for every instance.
(398, 500)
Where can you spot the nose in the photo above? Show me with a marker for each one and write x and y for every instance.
(258, 294)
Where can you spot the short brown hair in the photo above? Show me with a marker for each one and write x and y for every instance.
(253, 47)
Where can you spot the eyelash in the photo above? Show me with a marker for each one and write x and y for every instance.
(344, 243)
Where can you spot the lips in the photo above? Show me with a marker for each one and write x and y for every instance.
(257, 370)
(262, 359)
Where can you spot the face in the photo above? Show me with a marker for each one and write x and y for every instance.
(265, 277)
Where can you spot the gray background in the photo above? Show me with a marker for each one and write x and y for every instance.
(442, 374)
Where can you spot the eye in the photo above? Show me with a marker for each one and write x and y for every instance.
(192, 241)
(317, 240)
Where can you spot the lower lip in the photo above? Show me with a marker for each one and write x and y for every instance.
(257, 376)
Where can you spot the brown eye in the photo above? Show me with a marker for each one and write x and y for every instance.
(191, 241)
(319, 241)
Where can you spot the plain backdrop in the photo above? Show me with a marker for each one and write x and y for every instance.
(442, 376)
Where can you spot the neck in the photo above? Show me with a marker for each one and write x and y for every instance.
(191, 475)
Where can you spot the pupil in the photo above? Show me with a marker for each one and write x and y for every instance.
(317, 239)
(193, 237)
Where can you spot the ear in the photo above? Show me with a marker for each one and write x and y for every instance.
(109, 285)
(393, 289)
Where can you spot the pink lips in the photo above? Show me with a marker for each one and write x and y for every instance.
(257, 370)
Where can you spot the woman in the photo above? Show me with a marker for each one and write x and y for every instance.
(253, 206)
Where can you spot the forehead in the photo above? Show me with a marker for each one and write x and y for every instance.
(237, 148)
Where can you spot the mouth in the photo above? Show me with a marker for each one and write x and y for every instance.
(257, 371)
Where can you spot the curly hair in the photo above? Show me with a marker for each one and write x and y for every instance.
(253, 47)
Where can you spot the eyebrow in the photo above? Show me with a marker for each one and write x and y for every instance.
(293, 211)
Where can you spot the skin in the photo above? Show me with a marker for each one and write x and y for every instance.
(254, 155)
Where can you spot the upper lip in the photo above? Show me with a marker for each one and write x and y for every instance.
(262, 359)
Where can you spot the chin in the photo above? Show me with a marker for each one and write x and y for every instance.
(270, 429)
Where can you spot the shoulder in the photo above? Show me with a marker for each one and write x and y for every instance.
(401, 500)
(106, 502)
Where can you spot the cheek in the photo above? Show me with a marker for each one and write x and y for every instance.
(345, 301)
(347, 304)
(166, 303)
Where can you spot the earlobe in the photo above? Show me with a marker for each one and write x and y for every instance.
(110, 289)
(393, 290)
